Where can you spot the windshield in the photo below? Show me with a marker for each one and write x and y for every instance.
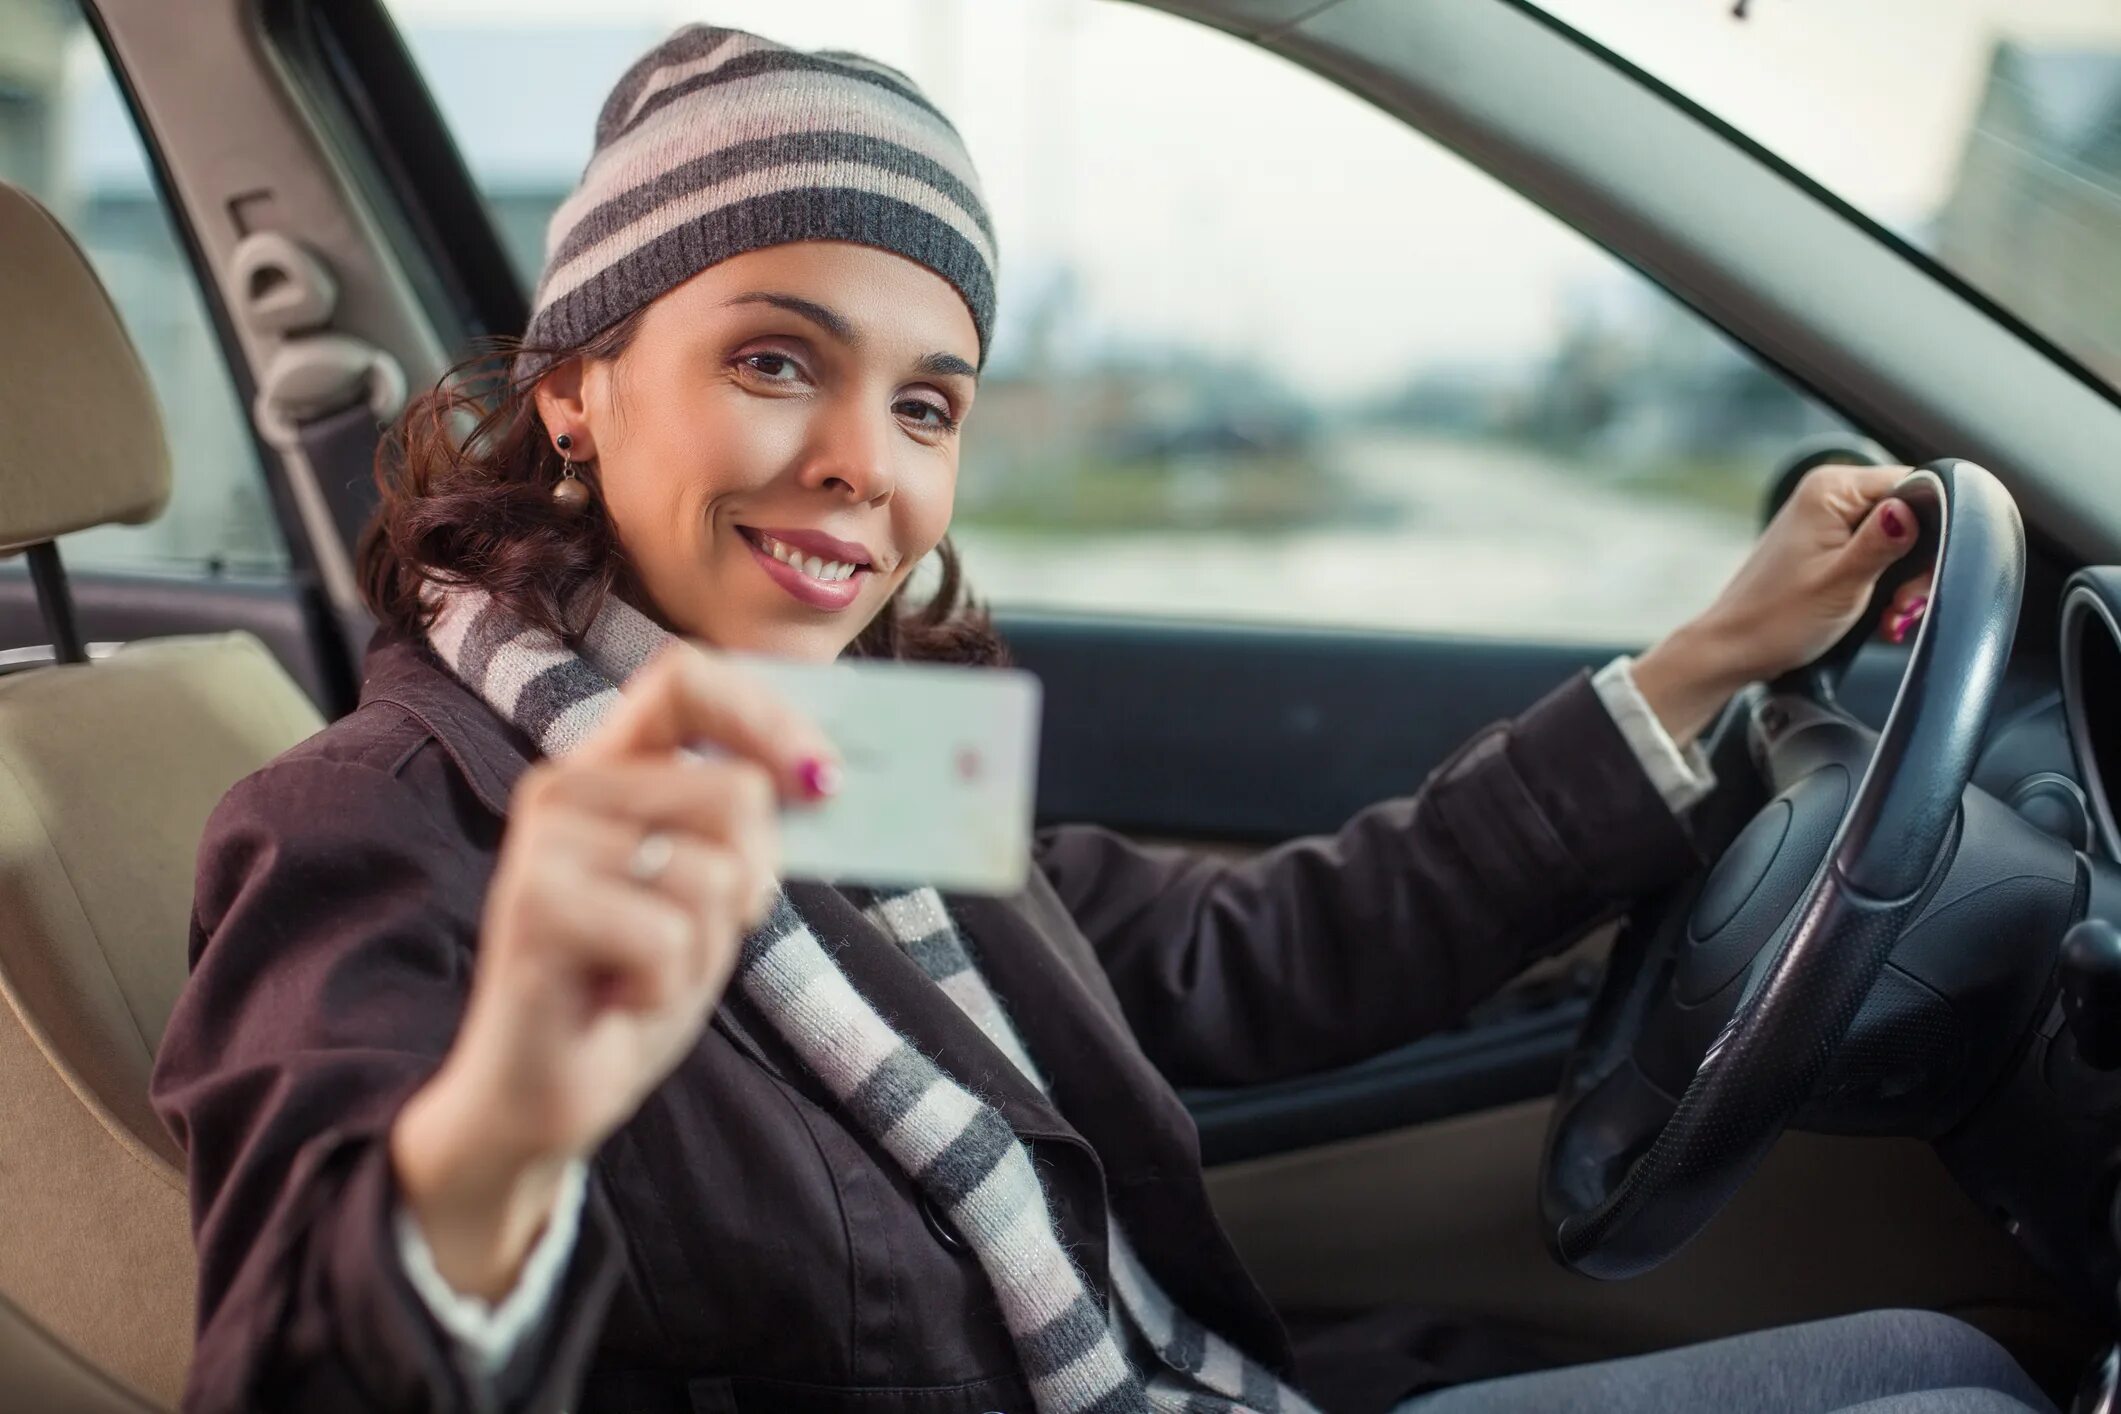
(1986, 133)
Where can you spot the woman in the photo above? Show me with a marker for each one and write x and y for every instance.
(510, 1079)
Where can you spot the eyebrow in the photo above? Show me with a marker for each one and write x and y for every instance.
(943, 365)
(939, 365)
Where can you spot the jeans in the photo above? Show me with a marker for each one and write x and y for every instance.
(1879, 1362)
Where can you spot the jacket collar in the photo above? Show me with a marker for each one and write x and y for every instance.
(491, 753)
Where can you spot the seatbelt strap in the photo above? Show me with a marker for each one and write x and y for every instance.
(340, 448)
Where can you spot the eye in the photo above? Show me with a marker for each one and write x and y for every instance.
(771, 367)
(927, 414)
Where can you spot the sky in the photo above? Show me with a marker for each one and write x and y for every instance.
(1205, 191)
(1202, 190)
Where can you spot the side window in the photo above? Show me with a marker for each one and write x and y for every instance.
(1265, 353)
(67, 138)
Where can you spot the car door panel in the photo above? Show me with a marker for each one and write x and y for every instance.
(1234, 733)
(1229, 737)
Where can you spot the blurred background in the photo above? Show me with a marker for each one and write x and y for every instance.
(1265, 354)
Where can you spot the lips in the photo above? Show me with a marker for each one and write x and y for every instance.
(814, 568)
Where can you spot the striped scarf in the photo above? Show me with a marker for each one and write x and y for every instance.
(1142, 1355)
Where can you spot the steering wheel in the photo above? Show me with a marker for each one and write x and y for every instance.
(1721, 1011)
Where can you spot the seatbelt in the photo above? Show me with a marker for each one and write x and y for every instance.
(323, 396)
(323, 399)
(340, 448)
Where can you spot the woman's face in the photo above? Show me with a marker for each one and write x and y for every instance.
(777, 447)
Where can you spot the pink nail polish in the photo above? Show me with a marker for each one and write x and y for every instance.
(1914, 608)
(819, 777)
(1894, 525)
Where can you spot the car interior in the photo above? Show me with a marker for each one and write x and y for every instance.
(1959, 1152)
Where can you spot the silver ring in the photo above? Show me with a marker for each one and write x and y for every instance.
(650, 857)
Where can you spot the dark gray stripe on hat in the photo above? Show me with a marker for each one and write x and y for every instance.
(758, 155)
(689, 44)
(1063, 1340)
(965, 1161)
(548, 696)
(494, 626)
(778, 61)
(779, 218)
(893, 1088)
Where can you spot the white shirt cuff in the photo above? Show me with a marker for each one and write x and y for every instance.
(1681, 777)
(487, 1334)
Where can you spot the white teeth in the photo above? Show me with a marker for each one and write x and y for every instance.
(829, 571)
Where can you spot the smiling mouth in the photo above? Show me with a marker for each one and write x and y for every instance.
(816, 567)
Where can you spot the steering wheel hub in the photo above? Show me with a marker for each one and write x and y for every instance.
(1737, 877)
(1753, 886)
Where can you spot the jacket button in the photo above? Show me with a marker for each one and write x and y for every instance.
(939, 1224)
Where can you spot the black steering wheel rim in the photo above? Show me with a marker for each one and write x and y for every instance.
(1625, 1182)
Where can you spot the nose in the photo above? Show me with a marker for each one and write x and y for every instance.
(848, 452)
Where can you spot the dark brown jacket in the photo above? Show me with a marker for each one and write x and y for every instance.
(744, 1246)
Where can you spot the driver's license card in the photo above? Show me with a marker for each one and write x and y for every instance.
(938, 769)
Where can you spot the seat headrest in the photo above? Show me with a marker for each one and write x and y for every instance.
(81, 439)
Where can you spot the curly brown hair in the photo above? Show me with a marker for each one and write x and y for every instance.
(466, 477)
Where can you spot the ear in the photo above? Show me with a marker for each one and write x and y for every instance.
(563, 405)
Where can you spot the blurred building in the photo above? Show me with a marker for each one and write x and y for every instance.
(2034, 215)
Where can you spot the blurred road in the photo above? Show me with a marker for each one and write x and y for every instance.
(1484, 539)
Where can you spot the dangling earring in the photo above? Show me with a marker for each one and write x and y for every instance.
(570, 490)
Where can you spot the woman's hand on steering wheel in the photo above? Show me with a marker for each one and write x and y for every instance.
(1729, 1002)
(1809, 577)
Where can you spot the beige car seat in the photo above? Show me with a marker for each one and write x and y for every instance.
(107, 773)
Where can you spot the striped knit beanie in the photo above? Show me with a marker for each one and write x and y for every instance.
(717, 142)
